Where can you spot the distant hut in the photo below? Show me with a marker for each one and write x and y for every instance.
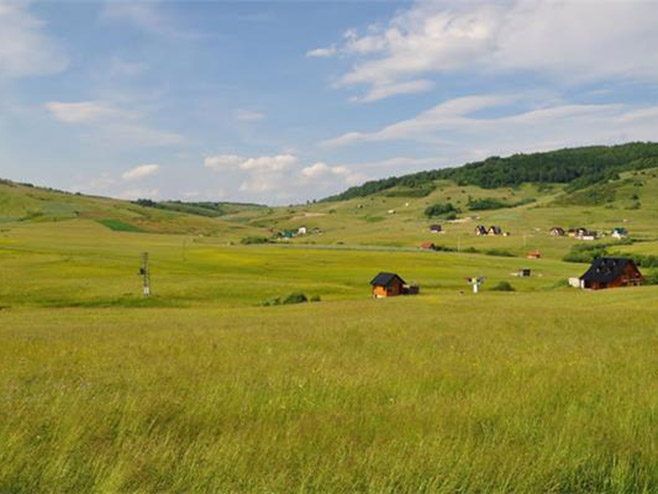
(387, 285)
(557, 231)
(494, 230)
(611, 272)
(302, 230)
(481, 230)
(524, 273)
(619, 233)
(535, 254)
(436, 229)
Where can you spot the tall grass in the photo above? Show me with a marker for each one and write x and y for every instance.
(406, 395)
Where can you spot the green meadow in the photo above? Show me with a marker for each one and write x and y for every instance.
(201, 389)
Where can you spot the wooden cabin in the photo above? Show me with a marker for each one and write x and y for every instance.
(387, 285)
(611, 272)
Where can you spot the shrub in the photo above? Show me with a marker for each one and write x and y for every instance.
(315, 298)
(295, 298)
(440, 209)
(498, 253)
(503, 286)
(254, 240)
(270, 302)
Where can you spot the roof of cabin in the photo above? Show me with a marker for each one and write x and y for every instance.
(607, 269)
(385, 279)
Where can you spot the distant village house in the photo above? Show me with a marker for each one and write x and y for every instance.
(619, 233)
(436, 229)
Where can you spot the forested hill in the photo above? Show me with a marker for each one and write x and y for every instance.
(578, 167)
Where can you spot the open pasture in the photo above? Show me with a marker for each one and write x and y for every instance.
(547, 389)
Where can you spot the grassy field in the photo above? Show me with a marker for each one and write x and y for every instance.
(199, 389)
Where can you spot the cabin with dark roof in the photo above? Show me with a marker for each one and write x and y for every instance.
(611, 272)
(435, 229)
(480, 230)
(495, 230)
(557, 231)
(387, 285)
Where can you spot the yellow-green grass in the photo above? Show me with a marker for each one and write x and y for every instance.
(81, 263)
(523, 392)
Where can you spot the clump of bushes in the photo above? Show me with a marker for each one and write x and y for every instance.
(440, 209)
(293, 298)
(498, 253)
(503, 286)
(491, 203)
(254, 240)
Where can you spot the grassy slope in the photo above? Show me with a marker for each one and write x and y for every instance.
(546, 389)
(498, 393)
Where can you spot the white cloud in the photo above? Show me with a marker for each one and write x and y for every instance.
(114, 124)
(81, 112)
(248, 116)
(25, 49)
(329, 51)
(140, 172)
(461, 132)
(265, 173)
(277, 163)
(321, 172)
(222, 161)
(387, 90)
(573, 41)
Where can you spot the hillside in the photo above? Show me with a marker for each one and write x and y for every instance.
(578, 167)
(25, 203)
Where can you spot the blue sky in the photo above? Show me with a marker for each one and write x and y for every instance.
(280, 102)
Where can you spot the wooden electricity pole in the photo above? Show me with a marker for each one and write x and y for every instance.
(145, 272)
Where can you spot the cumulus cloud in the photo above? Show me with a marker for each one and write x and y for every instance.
(81, 112)
(140, 172)
(248, 116)
(25, 48)
(222, 161)
(573, 41)
(322, 171)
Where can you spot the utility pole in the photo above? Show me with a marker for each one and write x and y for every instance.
(145, 273)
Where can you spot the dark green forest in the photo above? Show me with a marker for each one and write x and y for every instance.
(578, 167)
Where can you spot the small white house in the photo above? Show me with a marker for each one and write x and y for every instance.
(619, 233)
(302, 230)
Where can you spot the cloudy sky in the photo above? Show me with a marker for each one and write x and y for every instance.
(283, 101)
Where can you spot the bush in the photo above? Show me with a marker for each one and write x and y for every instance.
(503, 286)
(270, 302)
(254, 240)
(440, 209)
(498, 253)
(295, 298)
(315, 298)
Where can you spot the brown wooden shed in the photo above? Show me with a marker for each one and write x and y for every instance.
(387, 285)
